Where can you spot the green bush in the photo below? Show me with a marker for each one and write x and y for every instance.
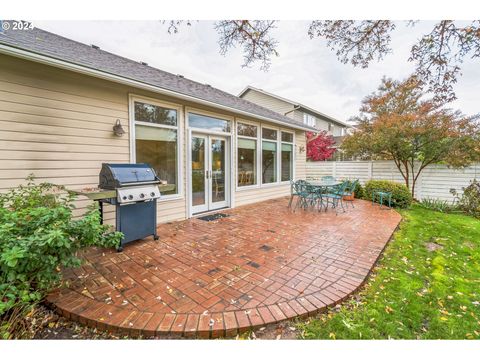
(469, 201)
(401, 196)
(38, 236)
(359, 191)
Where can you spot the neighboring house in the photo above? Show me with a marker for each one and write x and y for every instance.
(299, 112)
(59, 100)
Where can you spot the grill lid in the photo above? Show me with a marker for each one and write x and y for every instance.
(114, 176)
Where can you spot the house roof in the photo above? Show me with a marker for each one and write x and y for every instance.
(295, 104)
(41, 45)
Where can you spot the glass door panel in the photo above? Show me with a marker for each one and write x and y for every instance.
(218, 156)
(209, 173)
(199, 173)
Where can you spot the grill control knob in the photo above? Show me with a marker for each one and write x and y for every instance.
(130, 197)
(124, 197)
(152, 194)
(142, 195)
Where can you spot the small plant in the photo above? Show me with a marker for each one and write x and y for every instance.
(359, 191)
(437, 205)
(38, 236)
(401, 196)
(469, 201)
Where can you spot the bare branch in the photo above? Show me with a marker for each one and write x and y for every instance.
(254, 37)
(174, 25)
(438, 56)
(355, 42)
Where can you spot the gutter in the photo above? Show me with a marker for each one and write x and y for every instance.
(296, 107)
(27, 55)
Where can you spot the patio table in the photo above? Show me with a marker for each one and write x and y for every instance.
(323, 184)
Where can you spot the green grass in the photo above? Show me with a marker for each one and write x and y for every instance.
(415, 293)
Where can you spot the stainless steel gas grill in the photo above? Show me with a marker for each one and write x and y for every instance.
(135, 199)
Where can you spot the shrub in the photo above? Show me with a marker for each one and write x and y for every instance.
(469, 201)
(38, 236)
(359, 191)
(401, 196)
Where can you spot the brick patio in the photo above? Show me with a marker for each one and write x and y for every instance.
(262, 264)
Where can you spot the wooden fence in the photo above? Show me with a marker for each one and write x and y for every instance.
(435, 181)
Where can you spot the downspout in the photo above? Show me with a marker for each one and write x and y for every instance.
(296, 107)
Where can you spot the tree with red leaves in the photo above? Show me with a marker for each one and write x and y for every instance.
(319, 145)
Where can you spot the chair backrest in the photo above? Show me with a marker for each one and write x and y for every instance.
(341, 188)
(298, 186)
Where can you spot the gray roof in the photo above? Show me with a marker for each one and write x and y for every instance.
(54, 46)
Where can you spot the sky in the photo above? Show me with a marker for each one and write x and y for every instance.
(305, 71)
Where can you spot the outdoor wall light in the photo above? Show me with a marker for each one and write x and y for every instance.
(118, 129)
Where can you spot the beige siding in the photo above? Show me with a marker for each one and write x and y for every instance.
(269, 102)
(57, 125)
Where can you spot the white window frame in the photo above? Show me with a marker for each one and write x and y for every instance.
(309, 120)
(277, 142)
(230, 196)
(293, 155)
(258, 154)
(178, 128)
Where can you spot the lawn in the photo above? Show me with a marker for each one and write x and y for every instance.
(426, 286)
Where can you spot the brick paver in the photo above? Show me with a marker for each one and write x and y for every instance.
(262, 264)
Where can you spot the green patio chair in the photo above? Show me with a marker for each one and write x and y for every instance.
(334, 194)
(350, 189)
(300, 189)
(295, 190)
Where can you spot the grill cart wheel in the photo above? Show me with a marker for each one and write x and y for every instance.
(120, 249)
(156, 237)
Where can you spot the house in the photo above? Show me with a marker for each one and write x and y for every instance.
(296, 111)
(59, 100)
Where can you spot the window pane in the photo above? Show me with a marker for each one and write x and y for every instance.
(288, 137)
(247, 130)
(198, 171)
(158, 148)
(155, 114)
(269, 162)
(287, 162)
(207, 122)
(247, 162)
(269, 134)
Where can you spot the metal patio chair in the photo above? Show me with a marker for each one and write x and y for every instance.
(296, 190)
(334, 194)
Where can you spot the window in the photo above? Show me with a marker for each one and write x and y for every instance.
(287, 157)
(269, 156)
(156, 142)
(246, 154)
(247, 130)
(287, 137)
(309, 120)
(207, 122)
(155, 114)
(269, 134)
